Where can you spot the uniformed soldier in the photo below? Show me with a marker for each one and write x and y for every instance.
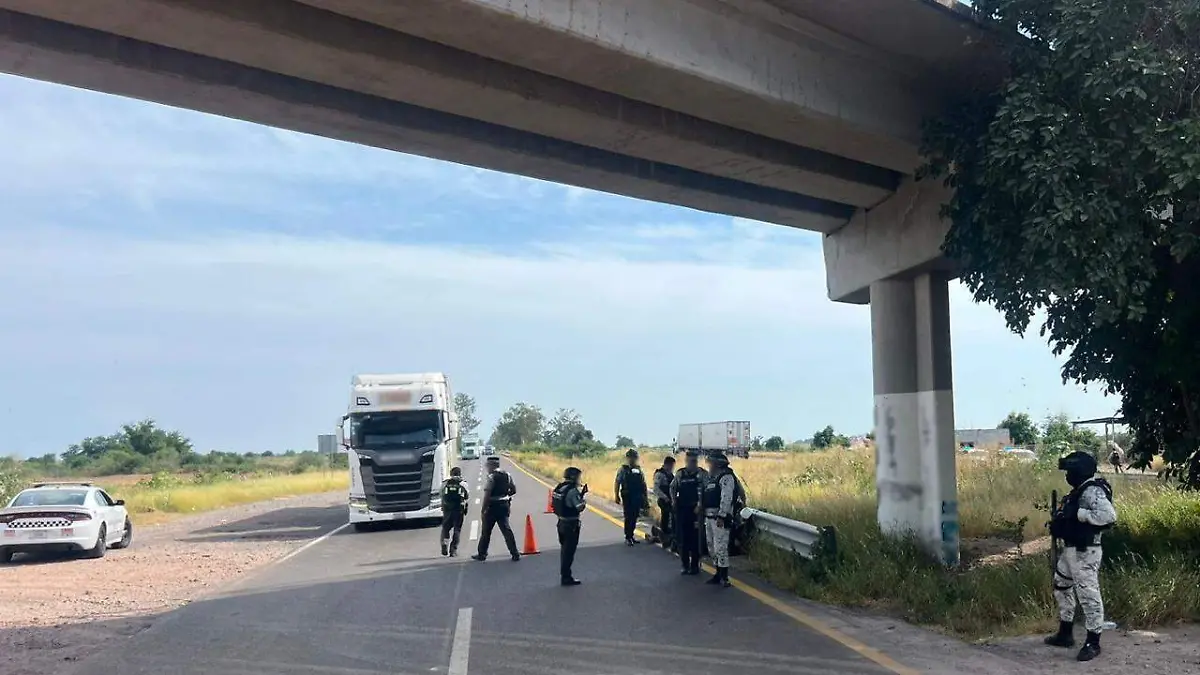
(663, 477)
(685, 498)
(630, 488)
(567, 503)
(1086, 512)
(717, 501)
(497, 506)
(455, 499)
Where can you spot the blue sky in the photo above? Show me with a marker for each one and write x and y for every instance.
(228, 279)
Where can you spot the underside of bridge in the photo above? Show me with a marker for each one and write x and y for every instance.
(803, 113)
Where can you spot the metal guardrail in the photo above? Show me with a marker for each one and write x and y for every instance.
(808, 541)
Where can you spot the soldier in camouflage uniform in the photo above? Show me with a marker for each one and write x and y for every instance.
(1081, 520)
(717, 501)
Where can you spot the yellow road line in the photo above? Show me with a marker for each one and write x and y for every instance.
(863, 650)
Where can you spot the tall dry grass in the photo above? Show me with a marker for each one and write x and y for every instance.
(1152, 577)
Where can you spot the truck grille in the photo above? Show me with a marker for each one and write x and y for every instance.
(397, 480)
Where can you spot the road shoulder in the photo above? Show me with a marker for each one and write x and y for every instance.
(61, 609)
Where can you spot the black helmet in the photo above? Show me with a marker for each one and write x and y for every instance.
(668, 460)
(1079, 466)
(455, 471)
(693, 453)
(718, 457)
(631, 454)
(572, 473)
(493, 460)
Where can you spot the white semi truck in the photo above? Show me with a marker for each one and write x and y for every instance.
(399, 432)
(731, 438)
(471, 447)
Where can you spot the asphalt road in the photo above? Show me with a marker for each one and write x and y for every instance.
(384, 602)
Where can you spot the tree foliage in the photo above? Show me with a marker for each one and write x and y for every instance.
(828, 438)
(521, 424)
(774, 444)
(1077, 194)
(625, 442)
(566, 428)
(464, 405)
(1021, 428)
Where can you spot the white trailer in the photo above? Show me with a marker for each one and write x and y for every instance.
(732, 438)
(400, 432)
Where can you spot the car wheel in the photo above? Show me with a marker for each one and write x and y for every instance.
(101, 546)
(126, 536)
(6, 555)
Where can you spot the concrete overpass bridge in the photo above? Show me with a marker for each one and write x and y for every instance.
(803, 113)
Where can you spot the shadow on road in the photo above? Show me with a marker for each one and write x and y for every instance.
(291, 523)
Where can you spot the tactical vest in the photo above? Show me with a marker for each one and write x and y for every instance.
(502, 487)
(1073, 531)
(633, 482)
(688, 493)
(712, 492)
(452, 495)
(558, 501)
(663, 476)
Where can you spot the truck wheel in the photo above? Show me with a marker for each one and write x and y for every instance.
(101, 546)
(6, 555)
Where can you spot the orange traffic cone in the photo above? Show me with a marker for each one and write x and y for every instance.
(530, 540)
(549, 501)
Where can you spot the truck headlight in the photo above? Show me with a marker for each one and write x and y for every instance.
(360, 504)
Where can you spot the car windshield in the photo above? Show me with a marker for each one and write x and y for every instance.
(416, 428)
(57, 497)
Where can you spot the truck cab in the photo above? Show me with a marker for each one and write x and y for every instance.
(470, 448)
(399, 431)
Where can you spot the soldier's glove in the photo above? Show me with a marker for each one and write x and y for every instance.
(584, 491)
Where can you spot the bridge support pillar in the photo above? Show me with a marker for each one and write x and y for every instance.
(914, 411)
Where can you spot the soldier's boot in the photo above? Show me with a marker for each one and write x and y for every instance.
(453, 551)
(715, 579)
(1091, 647)
(725, 583)
(445, 548)
(1065, 637)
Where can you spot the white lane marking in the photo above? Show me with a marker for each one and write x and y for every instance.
(474, 530)
(314, 542)
(460, 652)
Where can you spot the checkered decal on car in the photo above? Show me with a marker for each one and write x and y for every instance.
(41, 523)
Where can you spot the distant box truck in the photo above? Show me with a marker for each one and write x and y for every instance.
(731, 438)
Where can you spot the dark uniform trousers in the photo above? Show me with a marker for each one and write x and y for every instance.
(665, 524)
(568, 540)
(687, 536)
(452, 522)
(633, 509)
(497, 514)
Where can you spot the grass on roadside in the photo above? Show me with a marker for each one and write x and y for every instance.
(1152, 576)
(165, 495)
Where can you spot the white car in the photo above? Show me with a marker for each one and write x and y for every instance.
(63, 517)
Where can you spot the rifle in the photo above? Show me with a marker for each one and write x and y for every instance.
(1053, 539)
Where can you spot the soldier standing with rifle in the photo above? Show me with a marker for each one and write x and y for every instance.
(1085, 513)
(686, 490)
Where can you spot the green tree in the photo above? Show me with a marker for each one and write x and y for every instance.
(824, 438)
(464, 405)
(520, 424)
(1020, 428)
(625, 442)
(1077, 194)
(774, 444)
(566, 428)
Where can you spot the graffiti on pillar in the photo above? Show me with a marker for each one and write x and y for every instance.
(950, 532)
(890, 424)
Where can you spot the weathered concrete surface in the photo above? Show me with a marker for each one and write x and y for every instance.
(901, 236)
(786, 112)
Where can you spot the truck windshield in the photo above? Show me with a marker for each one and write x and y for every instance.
(405, 429)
